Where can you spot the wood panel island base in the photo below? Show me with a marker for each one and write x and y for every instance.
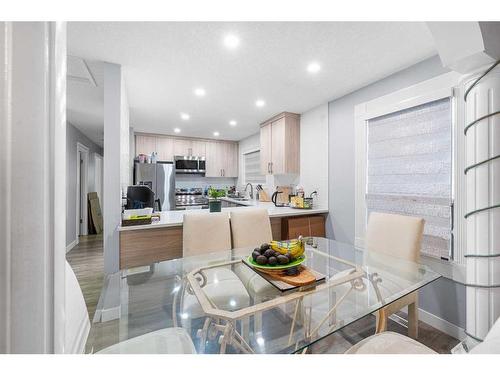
(142, 247)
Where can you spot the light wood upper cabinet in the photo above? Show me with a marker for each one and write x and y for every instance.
(280, 144)
(145, 144)
(213, 168)
(221, 156)
(198, 148)
(165, 148)
(265, 149)
(221, 159)
(230, 160)
(182, 147)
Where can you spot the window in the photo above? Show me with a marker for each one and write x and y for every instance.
(252, 168)
(409, 169)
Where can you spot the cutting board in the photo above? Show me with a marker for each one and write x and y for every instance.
(305, 277)
(284, 283)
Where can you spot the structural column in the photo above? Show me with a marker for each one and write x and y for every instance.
(482, 130)
(32, 186)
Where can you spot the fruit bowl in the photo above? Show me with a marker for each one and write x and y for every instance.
(266, 267)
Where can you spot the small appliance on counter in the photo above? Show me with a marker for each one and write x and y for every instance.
(276, 199)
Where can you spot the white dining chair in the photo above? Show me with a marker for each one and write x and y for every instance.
(398, 236)
(251, 228)
(394, 343)
(205, 233)
(173, 340)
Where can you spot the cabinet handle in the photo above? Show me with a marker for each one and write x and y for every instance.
(271, 167)
(268, 167)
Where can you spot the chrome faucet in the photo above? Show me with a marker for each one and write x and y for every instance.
(251, 189)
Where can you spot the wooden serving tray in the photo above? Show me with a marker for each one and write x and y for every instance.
(285, 283)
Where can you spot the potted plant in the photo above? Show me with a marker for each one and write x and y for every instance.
(214, 202)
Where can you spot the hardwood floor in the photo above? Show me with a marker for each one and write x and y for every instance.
(87, 261)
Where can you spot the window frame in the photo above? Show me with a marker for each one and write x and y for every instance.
(440, 87)
(244, 168)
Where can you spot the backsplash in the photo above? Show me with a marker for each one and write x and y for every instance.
(193, 181)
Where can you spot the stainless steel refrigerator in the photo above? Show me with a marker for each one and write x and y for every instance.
(160, 177)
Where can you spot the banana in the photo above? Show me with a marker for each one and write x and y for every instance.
(293, 247)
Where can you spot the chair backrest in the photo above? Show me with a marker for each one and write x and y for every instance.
(205, 233)
(250, 227)
(491, 343)
(396, 235)
(77, 317)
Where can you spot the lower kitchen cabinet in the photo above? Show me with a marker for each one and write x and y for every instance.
(309, 226)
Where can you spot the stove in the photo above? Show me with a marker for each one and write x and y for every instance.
(189, 198)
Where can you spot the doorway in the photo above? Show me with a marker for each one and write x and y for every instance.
(82, 163)
(98, 178)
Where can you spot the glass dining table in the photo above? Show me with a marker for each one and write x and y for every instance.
(224, 306)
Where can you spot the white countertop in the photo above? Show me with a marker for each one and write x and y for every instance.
(175, 218)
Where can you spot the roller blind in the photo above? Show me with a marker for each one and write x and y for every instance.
(252, 168)
(410, 169)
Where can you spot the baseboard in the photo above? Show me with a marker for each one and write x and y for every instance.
(72, 245)
(441, 324)
(110, 314)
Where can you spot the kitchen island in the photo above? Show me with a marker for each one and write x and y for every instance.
(145, 244)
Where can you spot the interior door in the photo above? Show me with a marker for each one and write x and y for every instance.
(278, 147)
(265, 149)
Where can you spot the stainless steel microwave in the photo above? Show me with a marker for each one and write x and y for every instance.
(190, 164)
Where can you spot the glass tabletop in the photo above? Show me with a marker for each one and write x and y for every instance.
(224, 306)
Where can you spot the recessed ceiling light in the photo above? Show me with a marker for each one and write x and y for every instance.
(232, 123)
(313, 67)
(260, 103)
(177, 130)
(184, 116)
(199, 91)
(231, 41)
(216, 134)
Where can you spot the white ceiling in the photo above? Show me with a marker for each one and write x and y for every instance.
(85, 97)
(164, 62)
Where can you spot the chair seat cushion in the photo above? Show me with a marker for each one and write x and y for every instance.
(389, 343)
(173, 340)
(226, 294)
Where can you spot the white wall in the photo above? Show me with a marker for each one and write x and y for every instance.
(116, 160)
(313, 156)
(314, 153)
